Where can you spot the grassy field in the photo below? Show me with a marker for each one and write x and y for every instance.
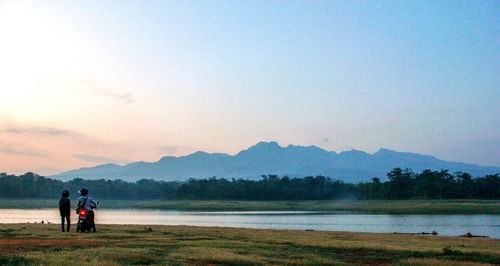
(364, 206)
(35, 244)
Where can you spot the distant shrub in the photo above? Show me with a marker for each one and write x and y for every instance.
(449, 251)
(14, 261)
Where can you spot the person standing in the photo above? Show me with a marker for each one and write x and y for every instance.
(65, 209)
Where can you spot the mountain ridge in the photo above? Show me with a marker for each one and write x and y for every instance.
(271, 158)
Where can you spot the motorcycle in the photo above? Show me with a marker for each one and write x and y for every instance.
(85, 220)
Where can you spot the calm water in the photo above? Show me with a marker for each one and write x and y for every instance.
(452, 225)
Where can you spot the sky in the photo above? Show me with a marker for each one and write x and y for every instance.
(91, 82)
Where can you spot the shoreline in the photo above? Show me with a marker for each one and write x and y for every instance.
(428, 207)
(245, 212)
(431, 234)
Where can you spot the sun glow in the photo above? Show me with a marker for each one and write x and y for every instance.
(39, 55)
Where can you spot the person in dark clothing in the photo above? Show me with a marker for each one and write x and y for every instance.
(65, 210)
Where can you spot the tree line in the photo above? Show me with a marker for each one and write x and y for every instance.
(401, 183)
(406, 184)
(31, 185)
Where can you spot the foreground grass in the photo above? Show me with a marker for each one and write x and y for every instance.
(363, 206)
(35, 244)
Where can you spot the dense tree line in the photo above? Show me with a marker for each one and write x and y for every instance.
(400, 184)
(31, 185)
(270, 187)
(405, 184)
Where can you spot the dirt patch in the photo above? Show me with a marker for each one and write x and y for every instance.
(13, 245)
(369, 257)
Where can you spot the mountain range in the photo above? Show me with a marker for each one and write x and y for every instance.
(271, 158)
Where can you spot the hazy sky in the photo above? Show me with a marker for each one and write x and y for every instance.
(88, 82)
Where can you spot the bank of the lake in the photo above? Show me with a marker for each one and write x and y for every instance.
(54, 203)
(448, 225)
(464, 206)
(363, 206)
(185, 245)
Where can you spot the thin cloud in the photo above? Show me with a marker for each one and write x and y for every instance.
(8, 149)
(124, 97)
(49, 131)
(21, 131)
(97, 88)
(169, 150)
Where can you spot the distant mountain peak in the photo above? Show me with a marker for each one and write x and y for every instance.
(104, 166)
(263, 146)
(354, 152)
(269, 144)
(389, 152)
(270, 157)
(199, 153)
(384, 151)
(303, 147)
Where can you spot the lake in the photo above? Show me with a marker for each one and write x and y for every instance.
(450, 225)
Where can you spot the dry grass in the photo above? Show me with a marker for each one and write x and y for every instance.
(38, 244)
(438, 262)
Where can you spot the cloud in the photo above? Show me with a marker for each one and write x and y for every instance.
(98, 88)
(8, 149)
(48, 149)
(169, 150)
(124, 97)
(95, 158)
(47, 131)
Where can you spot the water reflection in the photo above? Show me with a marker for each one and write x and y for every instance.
(451, 225)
